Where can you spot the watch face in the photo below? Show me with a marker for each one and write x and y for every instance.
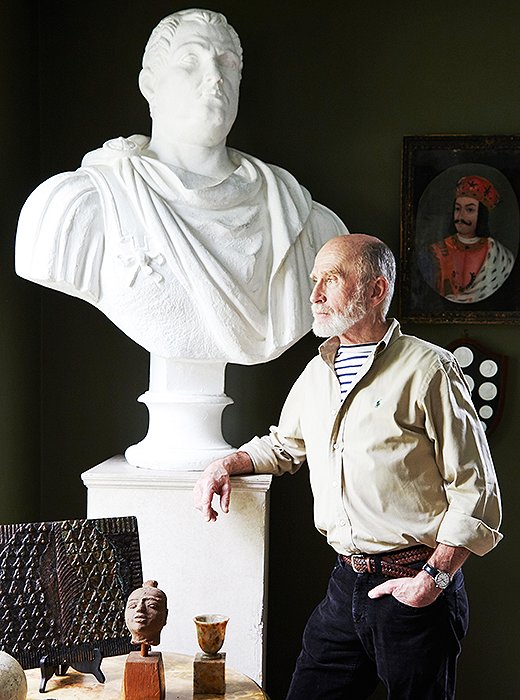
(442, 579)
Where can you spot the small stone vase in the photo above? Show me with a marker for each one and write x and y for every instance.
(211, 631)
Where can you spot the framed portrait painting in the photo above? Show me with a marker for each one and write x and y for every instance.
(460, 229)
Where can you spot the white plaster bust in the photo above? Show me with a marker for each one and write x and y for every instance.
(195, 250)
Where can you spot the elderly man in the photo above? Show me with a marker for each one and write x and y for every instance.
(403, 483)
(469, 265)
(195, 250)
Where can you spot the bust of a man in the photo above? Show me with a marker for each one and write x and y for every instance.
(195, 250)
(146, 613)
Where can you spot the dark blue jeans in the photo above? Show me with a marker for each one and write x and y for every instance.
(351, 643)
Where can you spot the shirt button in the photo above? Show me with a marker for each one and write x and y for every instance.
(336, 445)
(342, 523)
(335, 483)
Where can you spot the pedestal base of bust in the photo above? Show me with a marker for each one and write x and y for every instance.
(184, 432)
(198, 564)
(185, 404)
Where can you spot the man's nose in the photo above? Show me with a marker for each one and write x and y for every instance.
(141, 606)
(317, 295)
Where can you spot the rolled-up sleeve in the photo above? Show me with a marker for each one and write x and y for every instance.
(463, 458)
(283, 450)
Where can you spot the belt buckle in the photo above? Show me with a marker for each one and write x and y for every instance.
(358, 560)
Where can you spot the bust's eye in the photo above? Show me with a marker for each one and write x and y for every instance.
(188, 60)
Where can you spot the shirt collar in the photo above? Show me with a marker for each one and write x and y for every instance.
(329, 347)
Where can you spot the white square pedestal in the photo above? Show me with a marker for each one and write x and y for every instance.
(202, 567)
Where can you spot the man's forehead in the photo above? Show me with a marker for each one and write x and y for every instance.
(332, 258)
(326, 265)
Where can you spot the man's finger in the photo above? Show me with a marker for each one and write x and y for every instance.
(385, 588)
(203, 496)
(225, 495)
(211, 515)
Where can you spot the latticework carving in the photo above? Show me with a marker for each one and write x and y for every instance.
(64, 586)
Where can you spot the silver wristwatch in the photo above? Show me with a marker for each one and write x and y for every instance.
(442, 578)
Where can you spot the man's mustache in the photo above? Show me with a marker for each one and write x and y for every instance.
(463, 221)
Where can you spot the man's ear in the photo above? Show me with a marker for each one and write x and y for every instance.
(379, 290)
(146, 84)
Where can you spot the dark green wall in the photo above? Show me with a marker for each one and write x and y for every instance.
(19, 309)
(329, 90)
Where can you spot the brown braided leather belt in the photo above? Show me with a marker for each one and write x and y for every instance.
(391, 564)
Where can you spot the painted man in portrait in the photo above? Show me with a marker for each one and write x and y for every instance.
(469, 265)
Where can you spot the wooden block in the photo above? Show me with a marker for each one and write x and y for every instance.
(209, 674)
(144, 677)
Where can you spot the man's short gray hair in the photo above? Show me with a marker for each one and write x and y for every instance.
(377, 260)
(161, 39)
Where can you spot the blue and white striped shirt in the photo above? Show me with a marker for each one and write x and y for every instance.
(348, 363)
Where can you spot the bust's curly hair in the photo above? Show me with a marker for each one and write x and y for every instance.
(161, 39)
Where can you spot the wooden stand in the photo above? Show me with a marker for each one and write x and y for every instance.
(144, 676)
(209, 674)
(86, 665)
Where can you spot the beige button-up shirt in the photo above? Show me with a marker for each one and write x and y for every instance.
(402, 460)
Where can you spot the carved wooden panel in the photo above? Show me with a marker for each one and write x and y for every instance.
(64, 586)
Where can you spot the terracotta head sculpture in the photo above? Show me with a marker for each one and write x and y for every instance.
(146, 613)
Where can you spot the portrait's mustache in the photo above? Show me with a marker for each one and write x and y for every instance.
(463, 221)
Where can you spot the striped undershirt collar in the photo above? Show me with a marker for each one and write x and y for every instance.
(349, 362)
(329, 347)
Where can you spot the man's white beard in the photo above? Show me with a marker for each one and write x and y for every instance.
(338, 323)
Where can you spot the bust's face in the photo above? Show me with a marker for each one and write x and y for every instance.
(145, 615)
(196, 93)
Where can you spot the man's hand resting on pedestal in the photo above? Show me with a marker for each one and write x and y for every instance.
(215, 480)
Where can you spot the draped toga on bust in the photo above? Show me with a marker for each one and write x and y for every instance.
(187, 267)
